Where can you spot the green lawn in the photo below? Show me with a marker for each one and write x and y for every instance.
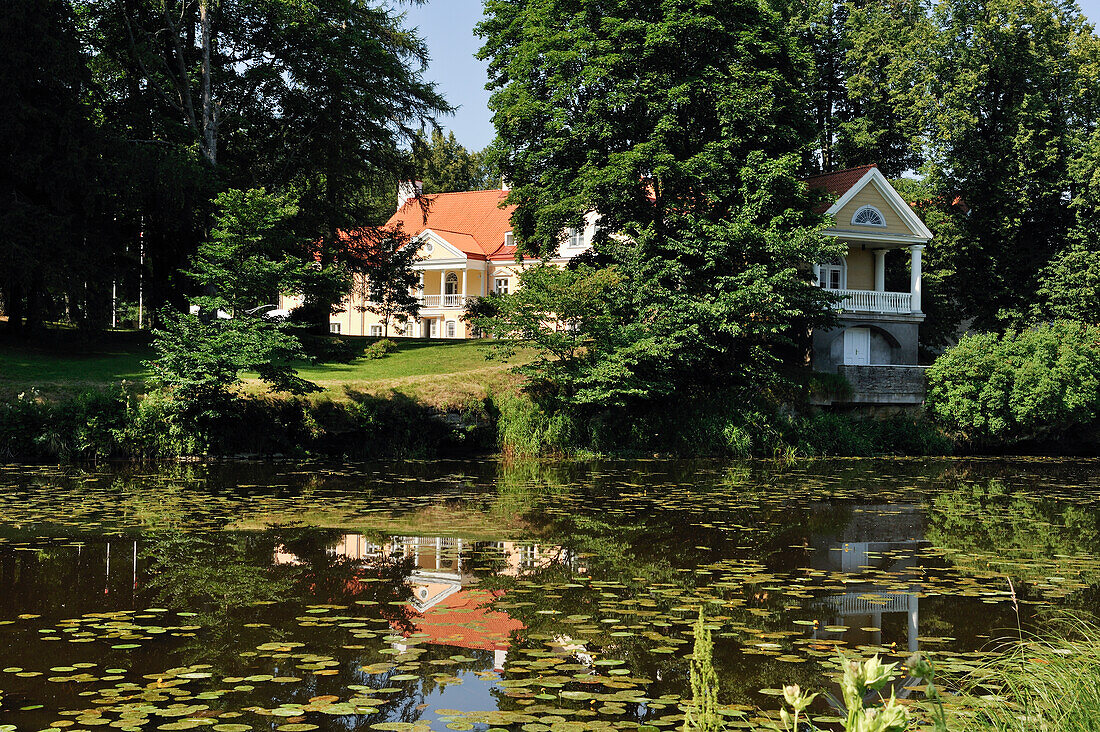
(442, 373)
(439, 372)
(54, 370)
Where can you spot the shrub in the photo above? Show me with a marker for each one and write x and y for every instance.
(1035, 384)
(380, 349)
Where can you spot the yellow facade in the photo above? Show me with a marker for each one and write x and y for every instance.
(870, 196)
(861, 268)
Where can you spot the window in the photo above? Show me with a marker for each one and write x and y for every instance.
(376, 330)
(574, 237)
(429, 247)
(833, 275)
(435, 328)
(869, 216)
(452, 329)
(500, 285)
(333, 327)
(450, 284)
(509, 239)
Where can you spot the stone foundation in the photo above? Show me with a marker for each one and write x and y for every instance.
(885, 385)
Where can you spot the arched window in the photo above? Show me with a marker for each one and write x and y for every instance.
(868, 216)
(451, 329)
(450, 284)
(833, 275)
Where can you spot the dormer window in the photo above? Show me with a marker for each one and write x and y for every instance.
(869, 216)
(509, 239)
(574, 237)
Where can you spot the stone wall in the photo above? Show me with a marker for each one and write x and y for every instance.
(886, 384)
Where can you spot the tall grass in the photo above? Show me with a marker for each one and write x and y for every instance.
(1040, 684)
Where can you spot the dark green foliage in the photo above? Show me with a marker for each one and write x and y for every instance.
(682, 125)
(250, 258)
(47, 170)
(721, 426)
(445, 166)
(101, 425)
(1014, 83)
(200, 357)
(1038, 384)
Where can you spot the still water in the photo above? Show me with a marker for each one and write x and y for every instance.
(471, 595)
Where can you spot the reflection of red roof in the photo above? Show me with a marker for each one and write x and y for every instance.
(472, 221)
(836, 184)
(465, 620)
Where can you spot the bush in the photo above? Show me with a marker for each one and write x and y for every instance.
(380, 349)
(1037, 384)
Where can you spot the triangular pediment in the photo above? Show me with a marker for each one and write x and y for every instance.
(873, 191)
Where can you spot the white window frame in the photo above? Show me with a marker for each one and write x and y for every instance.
(881, 220)
(434, 330)
(574, 238)
(450, 329)
(449, 279)
(824, 270)
(509, 239)
(376, 330)
(500, 285)
(334, 328)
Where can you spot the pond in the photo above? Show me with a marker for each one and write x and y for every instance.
(473, 595)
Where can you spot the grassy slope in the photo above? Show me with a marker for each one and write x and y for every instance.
(441, 373)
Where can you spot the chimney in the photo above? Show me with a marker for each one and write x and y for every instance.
(407, 190)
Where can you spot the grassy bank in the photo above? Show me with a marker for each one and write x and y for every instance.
(442, 374)
(64, 399)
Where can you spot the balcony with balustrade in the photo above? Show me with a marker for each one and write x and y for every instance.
(873, 301)
(444, 302)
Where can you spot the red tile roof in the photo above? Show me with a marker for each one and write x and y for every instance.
(472, 221)
(836, 184)
(466, 620)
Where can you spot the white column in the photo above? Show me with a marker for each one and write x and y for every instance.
(880, 270)
(463, 300)
(914, 275)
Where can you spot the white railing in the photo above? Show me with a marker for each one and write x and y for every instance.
(871, 301)
(443, 301)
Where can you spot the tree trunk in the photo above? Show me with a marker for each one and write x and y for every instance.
(14, 306)
(209, 108)
(34, 303)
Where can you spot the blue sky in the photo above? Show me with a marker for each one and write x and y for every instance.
(448, 28)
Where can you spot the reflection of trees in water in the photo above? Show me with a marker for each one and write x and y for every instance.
(988, 526)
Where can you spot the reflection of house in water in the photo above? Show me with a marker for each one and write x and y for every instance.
(883, 540)
(447, 607)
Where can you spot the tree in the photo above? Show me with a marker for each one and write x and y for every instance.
(47, 173)
(250, 258)
(386, 277)
(1015, 88)
(354, 89)
(200, 357)
(681, 124)
(445, 166)
(867, 80)
(886, 102)
(310, 98)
